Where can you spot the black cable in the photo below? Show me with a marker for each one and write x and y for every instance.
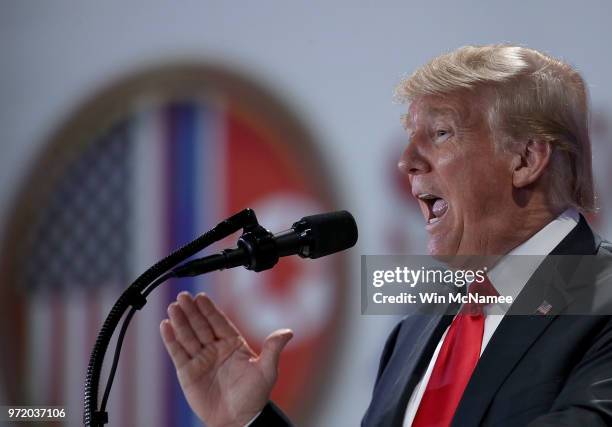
(155, 284)
(122, 332)
(111, 375)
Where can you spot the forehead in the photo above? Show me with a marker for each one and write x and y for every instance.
(464, 110)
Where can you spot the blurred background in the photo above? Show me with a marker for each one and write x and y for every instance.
(129, 128)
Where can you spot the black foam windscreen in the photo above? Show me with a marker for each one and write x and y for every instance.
(329, 232)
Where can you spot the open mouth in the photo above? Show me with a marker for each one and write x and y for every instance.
(436, 207)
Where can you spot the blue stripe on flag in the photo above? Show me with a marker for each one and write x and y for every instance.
(181, 149)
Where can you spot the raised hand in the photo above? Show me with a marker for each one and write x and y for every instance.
(225, 382)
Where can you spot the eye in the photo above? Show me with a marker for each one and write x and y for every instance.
(441, 135)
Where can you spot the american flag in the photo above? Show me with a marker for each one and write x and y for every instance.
(121, 202)
(78, 261)
(544, 308)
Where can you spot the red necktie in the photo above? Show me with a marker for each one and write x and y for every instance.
(456, 361)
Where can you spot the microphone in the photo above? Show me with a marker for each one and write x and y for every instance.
(258, 249)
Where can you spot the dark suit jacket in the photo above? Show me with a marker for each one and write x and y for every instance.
(537, 370)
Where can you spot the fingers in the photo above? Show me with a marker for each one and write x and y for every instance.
(271, 350)
(182, 330)
(196, 320)
(177, 353)
(220, 324)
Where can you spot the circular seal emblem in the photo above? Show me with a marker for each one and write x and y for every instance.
(143, 167)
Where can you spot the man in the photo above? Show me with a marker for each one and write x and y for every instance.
(499, 158)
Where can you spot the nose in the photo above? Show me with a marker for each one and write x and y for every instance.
(413, 160)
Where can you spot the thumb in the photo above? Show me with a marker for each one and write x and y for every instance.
(272, 347)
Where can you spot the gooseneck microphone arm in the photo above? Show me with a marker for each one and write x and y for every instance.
(258, 249)
(133, 297)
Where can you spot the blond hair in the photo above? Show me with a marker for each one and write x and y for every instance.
(532, 96)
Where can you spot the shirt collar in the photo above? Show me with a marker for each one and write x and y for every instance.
(510, 275)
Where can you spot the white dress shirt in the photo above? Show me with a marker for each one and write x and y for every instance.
(509, 276)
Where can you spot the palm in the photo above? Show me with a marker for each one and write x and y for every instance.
(231, 385)
(224, 381)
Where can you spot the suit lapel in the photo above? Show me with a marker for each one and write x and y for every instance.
(416, 343)
(511, 340)
(515, 334)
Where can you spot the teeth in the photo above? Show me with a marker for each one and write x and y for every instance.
(426, 196)
(433, 220)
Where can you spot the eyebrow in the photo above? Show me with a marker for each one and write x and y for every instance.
(406, 120)
(444, 111)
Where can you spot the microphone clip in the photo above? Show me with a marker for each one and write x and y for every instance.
(260, 248)
(257, 243)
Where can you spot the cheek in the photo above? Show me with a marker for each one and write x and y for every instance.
(476, 183)
(460, 175)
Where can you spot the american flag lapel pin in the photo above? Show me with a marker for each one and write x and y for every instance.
(544, 308)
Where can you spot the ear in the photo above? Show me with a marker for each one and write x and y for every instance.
(529, 164)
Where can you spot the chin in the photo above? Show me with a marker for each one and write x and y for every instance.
(438, 249)
(443, 251)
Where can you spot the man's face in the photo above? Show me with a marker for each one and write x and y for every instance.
(462, 184)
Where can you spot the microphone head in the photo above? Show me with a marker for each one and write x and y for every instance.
(328, 233)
